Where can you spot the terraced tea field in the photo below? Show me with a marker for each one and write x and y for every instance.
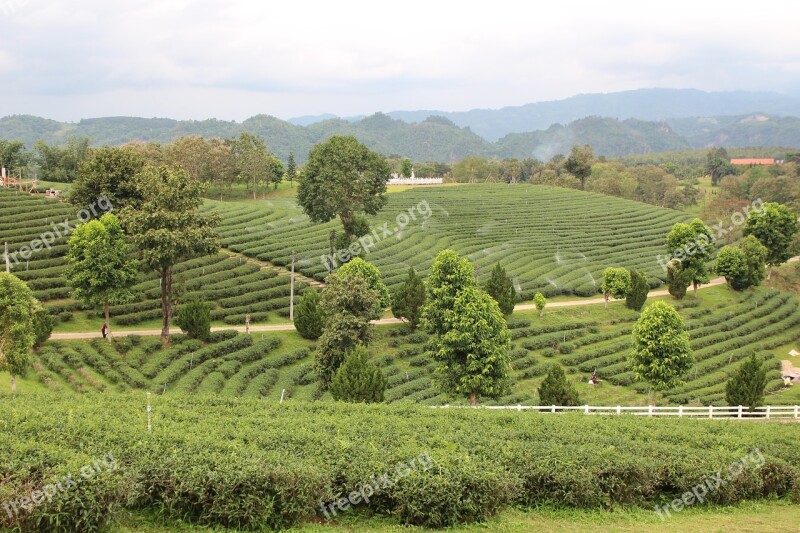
(233, 286)
(724, 328)
(550, 239)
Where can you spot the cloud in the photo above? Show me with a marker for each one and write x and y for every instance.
(199, 59)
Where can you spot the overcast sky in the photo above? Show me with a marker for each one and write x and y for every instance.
(237, 58)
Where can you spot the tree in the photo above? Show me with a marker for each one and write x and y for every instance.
(755, 255)
(692, 244)
(406, 169)
(579, 163)
(369, 273)
(732, 264)
(358, 380)
(276, 176)
(409, 299)
(308, 316)
(194, 317)
(291, 169)
(774, 226)
(253, 160)
(108, 172)
(539, 301)
(449, 275)
(348, 307)
(556, 390)
(42, 325)
(473, 350)
(661, 354)
(747, 386)
(637, 295)
(616, 283)
(342, 178)
(678, 278)
(166, 227)
(17, 309)
(500, 287)
(718, 165)
(100, 270)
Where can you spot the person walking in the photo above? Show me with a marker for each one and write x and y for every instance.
(104, 330)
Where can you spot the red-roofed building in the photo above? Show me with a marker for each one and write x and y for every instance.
(751, 162)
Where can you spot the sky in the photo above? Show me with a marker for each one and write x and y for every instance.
(232, 59)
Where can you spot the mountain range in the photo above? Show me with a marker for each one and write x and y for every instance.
(615, 124)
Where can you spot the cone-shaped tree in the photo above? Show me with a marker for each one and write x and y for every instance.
(539, 301)
(194, 317)
(409, 299)
(17, 309)
(308, 316)
(358, 380)
(500, 287)
(556, 390)
(747, 386)
(637, 296)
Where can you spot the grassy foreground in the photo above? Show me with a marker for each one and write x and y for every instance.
(250, 464)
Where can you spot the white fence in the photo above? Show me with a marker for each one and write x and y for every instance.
(726, 412)
(415, 181)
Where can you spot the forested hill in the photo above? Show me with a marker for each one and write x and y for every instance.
(434, 138)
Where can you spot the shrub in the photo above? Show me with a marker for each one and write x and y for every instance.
(556, 390)
(747, 386)
(42, 326)
(194, 317)
(638, 294)
(308, 316)
(358, 380)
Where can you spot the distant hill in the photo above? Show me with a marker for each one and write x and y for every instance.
(434, 138)
(643, 104)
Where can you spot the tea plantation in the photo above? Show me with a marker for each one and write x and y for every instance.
(549, 239)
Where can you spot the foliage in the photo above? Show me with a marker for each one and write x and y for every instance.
(409, 299)
(539, 301)
(556, 390)
(616, 283)
(57, 163)
(109, 173)
(732, 264)
(348, 306)
(692, 245)
(342, 178)
(678, 278)
(718, 165)
(17, 335)
(406, 168)
(500, 287)
(308, 315)
(473, 350)
(253, 161)
(747, 386)
(579, 163)
(358, 380)
(291, 169)
(774, 225)
(450, 274)
(661, 354)
(755, 255)
(43, 324)
(369, 273)
(100, 270)
(637, 295)
(166, 227)
(194, 317)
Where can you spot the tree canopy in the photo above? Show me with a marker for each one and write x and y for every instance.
(774, 226)
(17, 310)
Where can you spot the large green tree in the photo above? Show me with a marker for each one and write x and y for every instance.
(17, 310)
(637, 296)
(500, 287)
(579, 163)
(348, 305)
(732, 264)
(167, 228)
(774, 226)
(358, 380)
(253, 161)
(616, 283)
(100, 270)
(343, 178)
(409, 299)
(308, 315)
(693, 244)
(556, 390)
(291, 169)
(473, 350)
(449, 275)
(718, 165)
(661, 353)
(108, 172)
(371, 274)
(747, 386)
(755, 255)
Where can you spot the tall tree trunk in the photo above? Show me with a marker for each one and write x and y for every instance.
(13, 383)
(694, 284)
(108, 322)
(769, 272)
(605, 297)
(166, 303)
(473, 399)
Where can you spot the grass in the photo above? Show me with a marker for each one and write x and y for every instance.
(772, 517)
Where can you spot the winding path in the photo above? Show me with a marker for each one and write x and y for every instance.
(383, 321)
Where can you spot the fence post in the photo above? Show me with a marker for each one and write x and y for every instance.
(619, 409)
(519, 407)
(650, 410)
(740, 412)
(795, 411)
(553, 410)
(768, 408)
(149, 425)
(586, 409)
(710, 411)
(680, 411)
